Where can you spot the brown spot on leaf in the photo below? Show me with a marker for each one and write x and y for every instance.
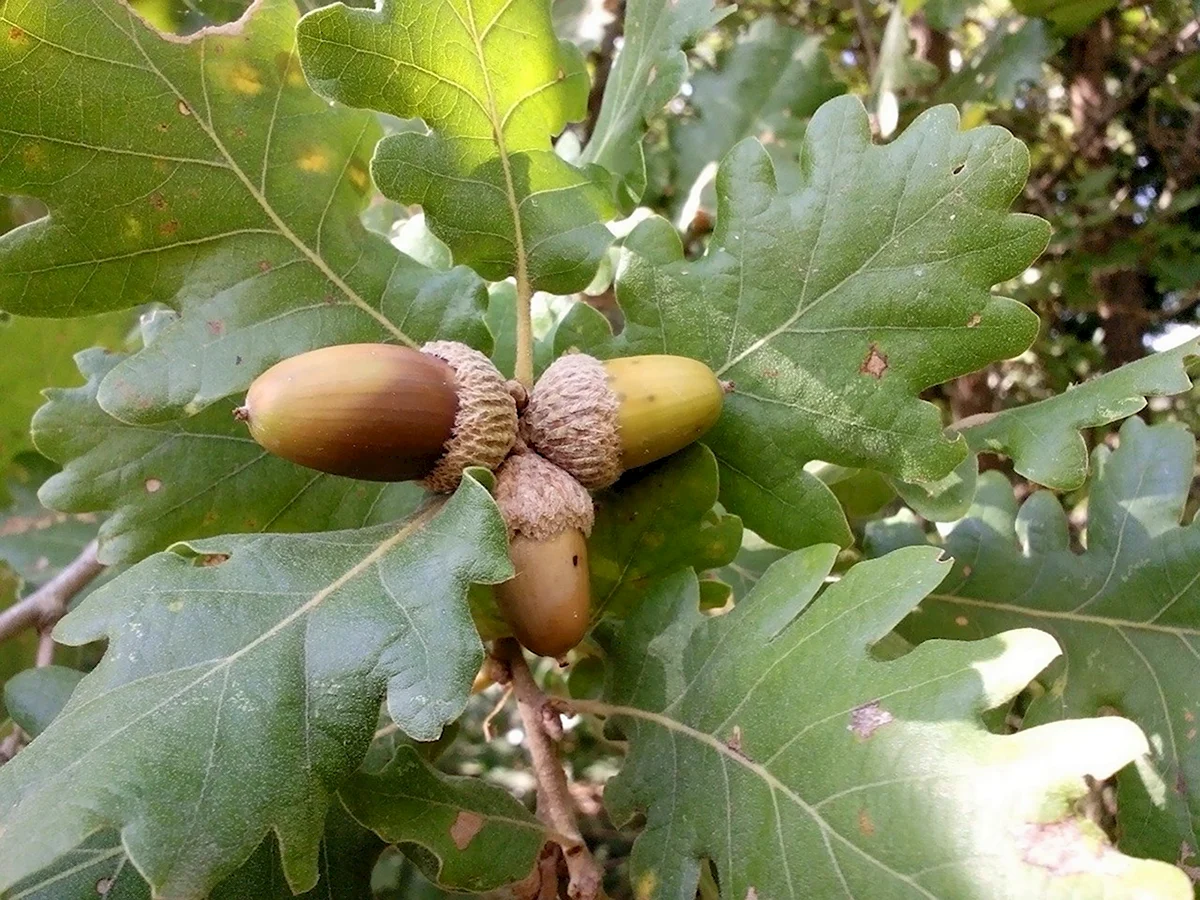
(770, 373)
(466, 825)
(215, 327)
(961, 621)
(974, 320)
(184, 109)
(16, 34)
(875, 364)
(967, 570)
(103, 886)
(162, 126)
(153, 485)
(734, 742)
(865, 824)
(865, 720)
(168, 227)
(158, 201)
(264, 266)
(1189, 716)
(211, 559)
(751, 893)
(1063, 849)
(1181, 785)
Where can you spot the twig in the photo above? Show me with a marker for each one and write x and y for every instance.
(555, 806)
(48, 604)
(45, 650)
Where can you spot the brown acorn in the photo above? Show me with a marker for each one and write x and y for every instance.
(380, 412)
(596, 419)
(549, 515)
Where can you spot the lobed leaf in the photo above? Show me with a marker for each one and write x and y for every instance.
(1124, 612)
(647, 72)
(1043, 438)
(493, 84)
(766, 85)
(768, 741)
(478, 836)
(830, 308)
(204, 174)
(654, 522)
(242, 685)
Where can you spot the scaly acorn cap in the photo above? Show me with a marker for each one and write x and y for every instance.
(485, 426)
(596, 419)
(572, 420)
(538, 500)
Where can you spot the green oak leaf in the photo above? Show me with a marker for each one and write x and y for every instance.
(832, 307)
(34, 541)
(1043, 438)
(996, 71)
(475, 835)
(754, 557)
(769, 741)
(207, 176)
(192, 478)
(35, 353)
(647, 72)
(242, 685)
(765, 85)
(35, 696)
(653, 522)
(100, 867)
(493, 84)
(1125, 612)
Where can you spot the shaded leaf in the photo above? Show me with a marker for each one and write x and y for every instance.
(770, 742)
(647, 72)
(35, 696)
(494, 84)
(655, 521)
(1125, 612)
(189, 479)
(1010, 57)
(477, 836)
(208, 176)
(1043, 438)
(831, 308)
(242, 684)
(100, 867)
(766, 85)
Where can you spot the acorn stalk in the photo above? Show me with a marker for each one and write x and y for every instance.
(549, 515)
(596, 419)
(380, 412)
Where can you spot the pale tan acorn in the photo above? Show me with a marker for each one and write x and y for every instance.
(549, 516)
(380, 412)
(595, 419)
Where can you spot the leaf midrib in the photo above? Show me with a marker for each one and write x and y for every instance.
(252, 190)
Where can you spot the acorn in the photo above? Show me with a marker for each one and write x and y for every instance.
(596, 419)
(549, 516)
(379, 412)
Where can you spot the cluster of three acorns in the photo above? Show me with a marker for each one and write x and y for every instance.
(380, 412)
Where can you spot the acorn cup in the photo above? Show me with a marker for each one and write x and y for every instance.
(379, 412)
(596, 419)
(549, 515)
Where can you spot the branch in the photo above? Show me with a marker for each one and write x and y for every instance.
(540, 716)
(48, 604)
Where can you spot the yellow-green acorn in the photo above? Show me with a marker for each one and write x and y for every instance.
(549, 515)
(596, 419)
(380, 412)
